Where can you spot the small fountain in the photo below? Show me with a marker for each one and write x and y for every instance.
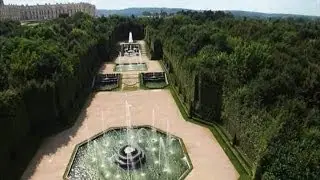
(134, 63)
(130, 44)
(130, 157)
(130, 37)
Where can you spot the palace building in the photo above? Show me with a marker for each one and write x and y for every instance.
(43, 12)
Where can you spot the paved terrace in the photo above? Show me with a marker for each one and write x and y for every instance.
(107, 109)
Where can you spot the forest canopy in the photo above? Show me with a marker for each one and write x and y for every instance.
(259, 79)
(46, 75)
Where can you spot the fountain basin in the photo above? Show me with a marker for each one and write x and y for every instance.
(130, 67)
(138, 153)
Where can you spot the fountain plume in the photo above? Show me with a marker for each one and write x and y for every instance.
(130, 37)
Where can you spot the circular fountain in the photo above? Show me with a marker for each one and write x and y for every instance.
(130, 157)
(135, 153)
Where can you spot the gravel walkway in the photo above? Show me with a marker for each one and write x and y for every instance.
(107, 109)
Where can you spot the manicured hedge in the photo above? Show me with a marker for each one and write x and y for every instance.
(14, 128)
(258, 78)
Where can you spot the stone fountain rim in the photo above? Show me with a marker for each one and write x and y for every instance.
(135, 63)
(75, 150)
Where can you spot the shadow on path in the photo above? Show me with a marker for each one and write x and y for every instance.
(51, 145)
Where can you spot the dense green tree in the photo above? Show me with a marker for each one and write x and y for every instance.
(258, 78)
(46, 74)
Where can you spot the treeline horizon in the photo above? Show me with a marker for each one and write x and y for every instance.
(148, 11)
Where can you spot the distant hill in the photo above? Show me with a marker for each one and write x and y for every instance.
(268, 15)
(139, 11)
(136, 11)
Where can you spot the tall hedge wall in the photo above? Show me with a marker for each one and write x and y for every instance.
(257, 78)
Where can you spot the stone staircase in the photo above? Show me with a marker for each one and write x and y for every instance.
(130, 81)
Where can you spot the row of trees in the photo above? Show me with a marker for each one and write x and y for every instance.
(156, 14)
(46, 75)
(260, 79)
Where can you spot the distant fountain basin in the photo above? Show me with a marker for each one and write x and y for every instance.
(130, 67)
(130, 48)
(137, 153)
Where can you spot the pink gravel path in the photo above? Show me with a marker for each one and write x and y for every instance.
(107, 109)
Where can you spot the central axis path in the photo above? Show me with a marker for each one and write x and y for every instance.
(107, 109)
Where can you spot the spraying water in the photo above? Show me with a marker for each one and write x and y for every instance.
(130, 37)
(96, 159)
(147, 149)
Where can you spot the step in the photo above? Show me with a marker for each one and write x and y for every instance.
(124, 76)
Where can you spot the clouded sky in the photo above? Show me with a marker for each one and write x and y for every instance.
(307, 7)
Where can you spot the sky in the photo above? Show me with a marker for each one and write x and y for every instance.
(305, 7)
